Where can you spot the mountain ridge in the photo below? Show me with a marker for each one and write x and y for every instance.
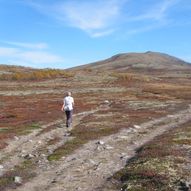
(149, 59)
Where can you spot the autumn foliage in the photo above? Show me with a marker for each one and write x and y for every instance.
(36, 75)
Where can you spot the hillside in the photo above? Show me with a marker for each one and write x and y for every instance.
(147, 60)
(127, 107)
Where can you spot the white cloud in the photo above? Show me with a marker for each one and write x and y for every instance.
(34, 57)
(157, 12)
(90, 16)
(103, 17)
(97, 18)
(157, 15)
(28, 45)
(4, 51)
(95, 34)
(39, 57)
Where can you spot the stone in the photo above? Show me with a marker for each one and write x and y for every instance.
(100, 143)
(108, 147)
(123, 137)
(92, 162)
(1, 170)
(137, 126)
(23, 151)
(29, 156)
(18, 180)
(16, 138)
(53, 181)
(106, 102)
(43, 155)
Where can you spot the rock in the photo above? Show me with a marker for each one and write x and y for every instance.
(1, 173)
(39, 142)
(108, 147)
(23, 151)
(16, 138)
(92, 162)
(129, 130)
(18, 180)
(1, 170)
(53, 181)
(123, 137)
(137, 126)
(123, 156)
(106, 102)
(30, 141)
(170, 115)
(29, 156)
(184, 185)
(99, 148)
(63, 157)
(50, 151)
(100, 143)
(43, 155)
(67, 134)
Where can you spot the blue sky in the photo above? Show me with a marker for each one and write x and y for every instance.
(67, 33)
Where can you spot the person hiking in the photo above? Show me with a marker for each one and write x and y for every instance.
(68, 104)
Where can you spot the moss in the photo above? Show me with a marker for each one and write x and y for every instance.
(184, 141)
(66, 149)
(27, 129)
(82, 134)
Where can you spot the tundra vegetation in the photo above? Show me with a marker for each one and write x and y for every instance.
(110, 96)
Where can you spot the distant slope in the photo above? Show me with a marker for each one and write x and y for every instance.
(9, 69)
(11, 72)
(152, 60)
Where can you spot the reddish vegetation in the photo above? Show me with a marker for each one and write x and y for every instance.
(120, 83)
(123, 91)
(19, 111)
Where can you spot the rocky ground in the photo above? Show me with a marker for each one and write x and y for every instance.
(89, 167)
(125, 109)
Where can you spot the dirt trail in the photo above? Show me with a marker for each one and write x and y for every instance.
(34, 142)
(88, 168)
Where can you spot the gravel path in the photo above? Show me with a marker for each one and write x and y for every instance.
(89, 167)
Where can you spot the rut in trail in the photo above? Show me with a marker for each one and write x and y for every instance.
(89, 167)
(34, 142)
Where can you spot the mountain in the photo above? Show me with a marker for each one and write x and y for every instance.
(131, 126)
(147, 60)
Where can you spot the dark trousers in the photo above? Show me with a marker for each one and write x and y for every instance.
(68, 118)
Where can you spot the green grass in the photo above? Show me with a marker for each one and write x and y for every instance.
(66, 149)
(83, 133)
(27, 129)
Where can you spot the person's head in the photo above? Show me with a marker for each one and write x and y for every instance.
(68, 94)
